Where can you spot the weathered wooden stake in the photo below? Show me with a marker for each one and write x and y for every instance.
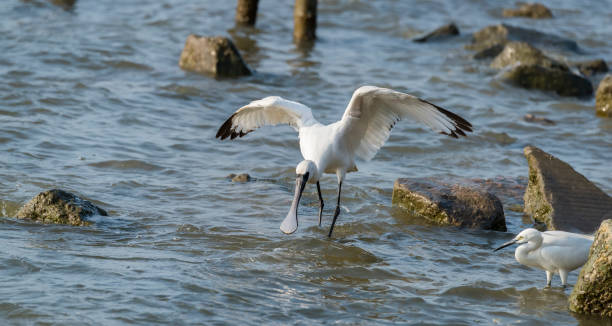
(304, 20)
(246, 12)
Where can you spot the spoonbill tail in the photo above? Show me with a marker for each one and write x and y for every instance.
(365, 126)
(553, 251)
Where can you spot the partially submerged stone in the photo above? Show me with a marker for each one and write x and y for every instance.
(529, 10)
(503, 33)
(450, 205)
(564, 83)
(213, 55)
(59, 207)
(560, 197)
(489, 52)
(603, 97)
(523, 53)
(242, 177)
(592, 293)
(535, 119)
(591, 67)
(440, 33)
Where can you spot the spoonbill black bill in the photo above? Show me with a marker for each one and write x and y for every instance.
(553, 251)
(365, 126)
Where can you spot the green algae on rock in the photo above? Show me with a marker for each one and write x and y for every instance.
(453, 206)
(524, 53)
(560, 197)
(592, 293)
(213, 55)
(57, 206)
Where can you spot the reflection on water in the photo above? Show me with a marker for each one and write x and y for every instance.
(94, 103)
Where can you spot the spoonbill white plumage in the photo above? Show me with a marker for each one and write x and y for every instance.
(553, 251)
(365, 126)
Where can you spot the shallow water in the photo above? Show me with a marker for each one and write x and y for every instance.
(93, 102)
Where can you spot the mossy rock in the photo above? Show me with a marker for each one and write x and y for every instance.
(592, 293)
(603, 97)
(560, 197)
(523, 53)
(216, 56)
(564, 83)
(450, 205)
(529, 10)
(57, 206)
(504, 33)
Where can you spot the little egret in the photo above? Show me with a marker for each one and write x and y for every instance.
(553, 251)
(365, 126)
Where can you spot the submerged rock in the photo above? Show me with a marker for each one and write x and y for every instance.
(561, 197)
(592, 293)
(440, 33)
(603, 98)
(591, 67)
(242, 177)
(213, 55)
(489, 52)
(535, 119)
(564, 83)
(529, 10)
(455, 205)
(503, 33)
(59, 207)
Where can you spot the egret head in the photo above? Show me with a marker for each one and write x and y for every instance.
(523, 237)
(306, 171)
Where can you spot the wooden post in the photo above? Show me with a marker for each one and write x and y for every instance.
(304, 20)
(246, 12)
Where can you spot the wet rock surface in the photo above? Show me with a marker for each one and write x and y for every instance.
(592, 293)
(529, 10)
(591, 67)
(564, 83)
(535, 119)
(560, 197)
(216, 56)
(450, 205)
(503, 33)
(242, 177)
(523, 53)
(603, 97)
(440, 33)
(59, 207)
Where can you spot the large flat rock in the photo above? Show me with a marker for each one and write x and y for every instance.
(592, 293)
(450, 205)
(561, 197)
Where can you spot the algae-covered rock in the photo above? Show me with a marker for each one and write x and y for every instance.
(242, 177)
(529, 10)
(523, 53)
(560, 197)
(59, 207)
(489, 52)
(592, 293)
(213, 55)
(503, 33)
(591, 67)
(603, 97)
(440, 33)
(450, 205)
(564, 83)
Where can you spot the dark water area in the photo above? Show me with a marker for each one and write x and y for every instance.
(92, 101)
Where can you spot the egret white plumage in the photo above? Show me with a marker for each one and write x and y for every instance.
(553, 251)
(365, 126)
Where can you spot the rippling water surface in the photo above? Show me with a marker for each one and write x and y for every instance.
(92, 101)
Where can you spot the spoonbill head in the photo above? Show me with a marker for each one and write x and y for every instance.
(553, 251)
(364, 127)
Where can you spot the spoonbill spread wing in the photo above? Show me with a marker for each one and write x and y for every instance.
(373, 111)
(269, 111)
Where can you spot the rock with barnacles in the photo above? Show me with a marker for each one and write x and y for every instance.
(529, 10)
(560, 197)
(216, 56)
(57, 206)
(440, 33)
(603, 97)
(504, 33)
(592, 293)
(450, 205)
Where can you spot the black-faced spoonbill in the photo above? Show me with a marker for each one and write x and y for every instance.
(365, 126)
(553, 251)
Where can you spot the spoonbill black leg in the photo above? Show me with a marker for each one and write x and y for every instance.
(320, 202)
(337, 212)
